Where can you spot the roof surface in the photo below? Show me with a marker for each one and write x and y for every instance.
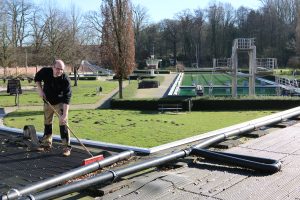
(187, 178)
(22, 165)
(195, 178)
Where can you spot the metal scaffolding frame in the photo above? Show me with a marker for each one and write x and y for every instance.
(256, 65)
(243, 44)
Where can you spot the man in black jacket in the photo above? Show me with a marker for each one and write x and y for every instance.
(56, 89)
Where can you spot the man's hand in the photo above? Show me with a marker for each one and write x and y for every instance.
(42, 94)
(40, 90)
(63, 119)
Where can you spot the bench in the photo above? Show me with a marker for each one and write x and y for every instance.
(170, 106)
(14, 87)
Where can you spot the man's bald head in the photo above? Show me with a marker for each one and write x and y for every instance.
(58, 68)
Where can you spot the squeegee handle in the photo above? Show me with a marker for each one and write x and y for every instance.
(69, 129)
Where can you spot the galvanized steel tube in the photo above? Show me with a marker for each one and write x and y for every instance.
(110, 175)
(45, 184)
(265, 165)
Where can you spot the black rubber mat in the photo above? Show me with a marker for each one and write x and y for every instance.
(20, 165)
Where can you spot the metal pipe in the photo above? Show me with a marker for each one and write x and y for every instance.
(110, 175)
(256, 163)
(45, 184)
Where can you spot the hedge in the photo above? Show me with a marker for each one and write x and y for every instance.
(208, 104)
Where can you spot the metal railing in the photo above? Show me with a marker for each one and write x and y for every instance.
(244, 43)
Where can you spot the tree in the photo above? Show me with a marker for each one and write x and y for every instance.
(198, 26)
(38, 37)
(75, 48)
(279, 18)
(186, 24)
(140, 18)
(92, 32)
(118, 38)
(171, 28)
(5, 43)
(298, 29)
(56, 32)
(17, 15)
(93, 27)
(215, 17)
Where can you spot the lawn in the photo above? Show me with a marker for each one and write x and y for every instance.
(84, 93)
(137, 128)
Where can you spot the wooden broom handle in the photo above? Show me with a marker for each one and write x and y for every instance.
(69, 128)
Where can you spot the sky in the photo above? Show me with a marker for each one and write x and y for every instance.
(160, 9)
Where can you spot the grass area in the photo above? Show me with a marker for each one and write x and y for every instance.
(84, 93)
(131, 88)
(137, 128)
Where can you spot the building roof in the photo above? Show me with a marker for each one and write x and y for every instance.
(186, 178)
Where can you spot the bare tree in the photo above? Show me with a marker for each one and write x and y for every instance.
(279, 18)
(118, 38)
(19, 12)
(140, 20)
(171, 32)
(198, 36)
(38, 37)
(17, 19)
(75, 53)
(5, 42)
(93, 27)
(91, 35)
(56, 32)
(186, 26)
(215, 16)
(298, 28)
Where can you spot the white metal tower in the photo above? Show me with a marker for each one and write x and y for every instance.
(242, 45)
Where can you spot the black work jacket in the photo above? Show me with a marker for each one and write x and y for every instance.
(56, 89)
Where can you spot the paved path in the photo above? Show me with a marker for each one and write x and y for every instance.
(159, 92)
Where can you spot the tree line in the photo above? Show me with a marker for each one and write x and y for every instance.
(195, 37)
(32, 34)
